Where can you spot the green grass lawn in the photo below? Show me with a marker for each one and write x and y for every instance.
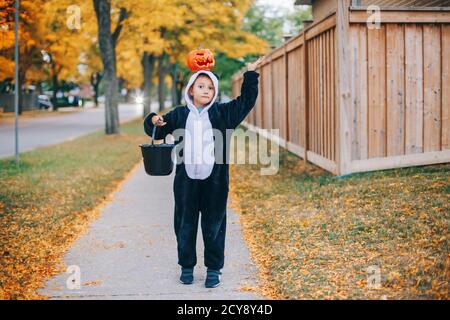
(314, 235)
(50, 198)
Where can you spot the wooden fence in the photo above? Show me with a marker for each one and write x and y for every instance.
(352, 98)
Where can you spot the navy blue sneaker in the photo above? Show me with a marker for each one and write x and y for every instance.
(212, 278)
(187, 275)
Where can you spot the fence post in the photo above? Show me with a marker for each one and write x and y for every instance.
(272, 96)
(261, 125)
(343, 98)
(286, 93)
(306, 94)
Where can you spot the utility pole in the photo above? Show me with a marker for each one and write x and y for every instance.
(16, 84)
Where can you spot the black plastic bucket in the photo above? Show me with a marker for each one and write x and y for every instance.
(157, 157)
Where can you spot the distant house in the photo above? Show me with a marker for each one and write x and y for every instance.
(86, 91)
(322, 8)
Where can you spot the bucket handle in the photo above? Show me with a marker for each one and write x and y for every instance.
(153, 135)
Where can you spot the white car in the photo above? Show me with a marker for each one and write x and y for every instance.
(44, 101)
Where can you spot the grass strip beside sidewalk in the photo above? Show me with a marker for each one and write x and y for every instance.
(316, 236)
(48, 201)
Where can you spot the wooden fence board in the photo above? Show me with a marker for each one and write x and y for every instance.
(326, 56)
(302, 96)
(334, 115)
(312, 97)
(358, 81)
(306, 90)
(432, 88)
(395, 100)
(267, 99)
(277, 70)
(258, 112)
(414, 89)
(295, 86)
(377, 91)
(445, 82)
(352, 99)
(321, 85)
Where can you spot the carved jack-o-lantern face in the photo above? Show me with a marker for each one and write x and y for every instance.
(200, 59)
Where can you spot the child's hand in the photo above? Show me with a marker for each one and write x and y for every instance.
(158, 121)
(253, 65)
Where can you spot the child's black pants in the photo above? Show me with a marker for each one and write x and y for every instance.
(209, 197)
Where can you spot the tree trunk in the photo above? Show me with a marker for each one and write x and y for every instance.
(24, 65)
(148, 65)
(121, 82)
(96, 78)
(174, 91)
(55, 90)
(107, 44)
(22, 77)
(179, 89)
(182, 79)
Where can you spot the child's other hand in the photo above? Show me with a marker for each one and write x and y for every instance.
(158, 121)
(253, 65)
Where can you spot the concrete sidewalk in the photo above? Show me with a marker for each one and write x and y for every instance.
(130, 251)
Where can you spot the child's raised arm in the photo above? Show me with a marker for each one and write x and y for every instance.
(236, 110)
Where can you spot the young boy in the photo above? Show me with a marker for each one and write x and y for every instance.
(202, 184)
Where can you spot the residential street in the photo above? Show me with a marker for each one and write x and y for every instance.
(52, 129)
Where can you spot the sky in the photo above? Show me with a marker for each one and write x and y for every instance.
(277, 7)
(278, 4)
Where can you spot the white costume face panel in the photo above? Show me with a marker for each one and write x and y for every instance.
(199, 142)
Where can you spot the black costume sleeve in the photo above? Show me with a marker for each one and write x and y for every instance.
(237, 109)
(161, 132)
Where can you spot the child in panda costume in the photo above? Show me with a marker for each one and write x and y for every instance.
(201, 183)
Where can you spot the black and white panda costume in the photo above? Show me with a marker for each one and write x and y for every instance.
(202, 185)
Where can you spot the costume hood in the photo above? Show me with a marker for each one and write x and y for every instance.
(187, 98)
(199, 145)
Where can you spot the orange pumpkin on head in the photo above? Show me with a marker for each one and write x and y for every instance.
(200, 59)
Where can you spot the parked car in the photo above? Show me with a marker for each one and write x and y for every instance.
(101, 99)
(44, 101)
(68, 100)
(74, 101)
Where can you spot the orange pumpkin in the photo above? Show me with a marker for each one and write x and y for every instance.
(200, 59)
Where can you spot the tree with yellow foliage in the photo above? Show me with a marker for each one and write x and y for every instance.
(142, 42)
(107, 39)
(30, 58)
(6, 39)
(63, 41)
(163, 34)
